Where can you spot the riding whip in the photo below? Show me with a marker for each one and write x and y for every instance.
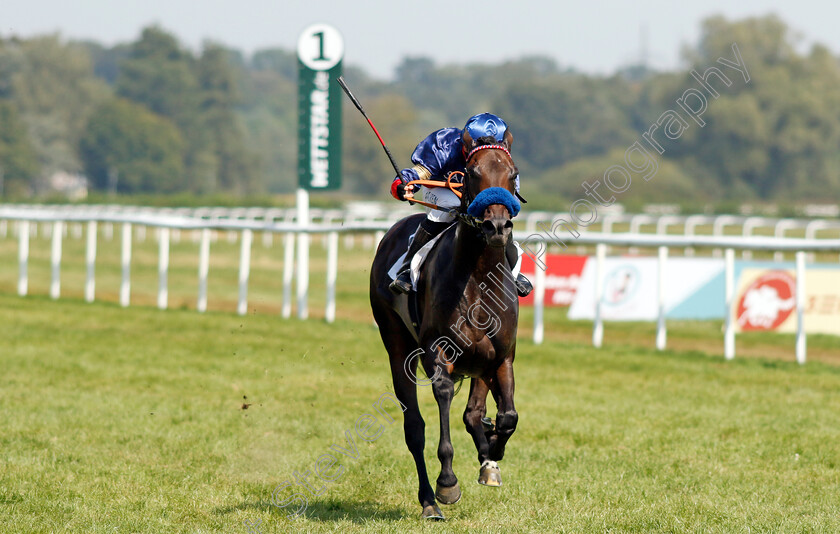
(361, 109)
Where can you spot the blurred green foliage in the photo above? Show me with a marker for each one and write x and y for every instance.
(166, 119)
(128, 149)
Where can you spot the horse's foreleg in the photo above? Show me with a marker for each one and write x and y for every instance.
(415, 432)
(506, 417)
(447, 490)
(475, 412)
(489, 474)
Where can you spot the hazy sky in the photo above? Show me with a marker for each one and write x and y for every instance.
(593, 36)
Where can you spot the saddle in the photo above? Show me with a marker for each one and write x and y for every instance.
(406, 305)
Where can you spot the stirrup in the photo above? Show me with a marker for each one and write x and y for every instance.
(523, 286)
(402, 283)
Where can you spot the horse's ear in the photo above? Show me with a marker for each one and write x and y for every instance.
(508, 139)
(469, 142)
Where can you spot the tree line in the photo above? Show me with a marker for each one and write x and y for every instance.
(153, 117)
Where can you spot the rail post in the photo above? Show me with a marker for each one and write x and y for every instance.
(801, 348)
(125, 260)
(55, 259)
(90, 259)
(203, 269)
(163, 269)
(729, 327)
(539, 299)
(23, 258)
(244, 271)
(598, 327)
(332, 272)
(661, 332)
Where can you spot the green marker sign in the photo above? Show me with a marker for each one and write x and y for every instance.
(320, 50)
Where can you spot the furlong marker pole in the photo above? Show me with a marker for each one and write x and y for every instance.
(288, 272)
(303, 253)
(332, 271)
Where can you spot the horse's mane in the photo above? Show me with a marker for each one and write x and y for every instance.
(486, 140)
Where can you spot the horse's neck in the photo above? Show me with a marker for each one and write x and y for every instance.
(473, 258)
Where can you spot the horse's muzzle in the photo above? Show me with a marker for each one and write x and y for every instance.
(497, 226)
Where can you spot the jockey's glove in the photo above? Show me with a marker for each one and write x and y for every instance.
(400, 183)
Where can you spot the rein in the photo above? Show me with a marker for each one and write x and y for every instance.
(438, 183)
(469, 219)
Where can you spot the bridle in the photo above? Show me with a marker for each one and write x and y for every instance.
(454, 187)
(472, 153)
(484, 147)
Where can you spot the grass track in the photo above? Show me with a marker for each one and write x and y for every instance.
(131, 420)
(265, 291)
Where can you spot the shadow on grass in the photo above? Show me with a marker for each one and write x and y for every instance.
(326, 510)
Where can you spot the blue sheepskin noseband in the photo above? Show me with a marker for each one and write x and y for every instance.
(494, 195)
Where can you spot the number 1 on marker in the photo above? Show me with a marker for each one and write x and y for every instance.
(320, 37)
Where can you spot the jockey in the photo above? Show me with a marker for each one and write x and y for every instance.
(436, 156)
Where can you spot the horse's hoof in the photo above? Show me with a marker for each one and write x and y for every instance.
(449, 495)
(433, 513)
(489, 424)
(490, 474)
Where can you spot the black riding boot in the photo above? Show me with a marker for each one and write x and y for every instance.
(523, 285)
(425, 233)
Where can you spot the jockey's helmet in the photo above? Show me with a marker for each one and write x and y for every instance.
(486, 124)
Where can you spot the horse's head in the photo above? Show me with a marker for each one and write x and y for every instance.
(489, 186)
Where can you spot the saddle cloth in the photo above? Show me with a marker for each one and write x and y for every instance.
(420, 257)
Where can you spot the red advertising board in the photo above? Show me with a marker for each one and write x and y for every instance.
(766, 300)
(562, 277)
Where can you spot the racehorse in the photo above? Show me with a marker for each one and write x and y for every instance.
(467, 312)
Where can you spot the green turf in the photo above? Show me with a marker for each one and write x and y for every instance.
(132, 420)
(265, 290)
(265, 286)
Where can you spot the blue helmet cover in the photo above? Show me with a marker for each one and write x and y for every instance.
(486, 124)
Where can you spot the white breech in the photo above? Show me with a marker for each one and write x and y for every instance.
(442, 197)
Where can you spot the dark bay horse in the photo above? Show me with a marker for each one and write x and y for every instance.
(468, 310)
